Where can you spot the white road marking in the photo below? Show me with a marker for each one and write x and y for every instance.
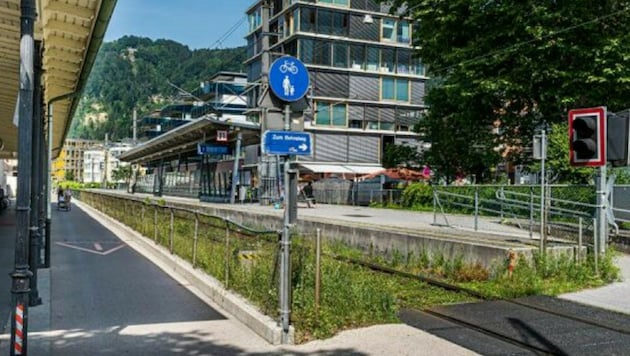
(98, 246)
(102, 253)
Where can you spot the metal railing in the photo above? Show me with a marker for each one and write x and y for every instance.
(562, 218)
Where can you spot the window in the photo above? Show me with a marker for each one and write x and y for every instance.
(340, 24)
(388, 31)
(306, 51)
(388, 89)
(387, 60)
(331, 114)
(335, 2)
(403, 32)
(322, 116)
(417, 67)
(372, 58)
(340, 55)
(325, 22)
(357, 57)
(395, 89)
(307, 19)
(402, 61)
(395, 31)
(255, 19)
(339, 115)
(321, 53)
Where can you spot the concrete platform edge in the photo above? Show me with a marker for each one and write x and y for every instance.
(231, 303)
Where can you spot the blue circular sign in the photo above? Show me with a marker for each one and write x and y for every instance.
(288, 78)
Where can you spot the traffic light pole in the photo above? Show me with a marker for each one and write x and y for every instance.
(602, 204)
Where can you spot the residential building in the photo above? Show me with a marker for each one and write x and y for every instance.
(222, 95)
(100, 162)
(367, 88)
(69, 164)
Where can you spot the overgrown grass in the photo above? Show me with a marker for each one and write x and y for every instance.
(350, 296)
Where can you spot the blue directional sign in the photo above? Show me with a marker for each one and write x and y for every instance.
(206, 149)
(287, 143)
(288, 78)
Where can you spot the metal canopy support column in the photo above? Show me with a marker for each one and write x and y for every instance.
(21, 274)
(36, 180)
(48, 191)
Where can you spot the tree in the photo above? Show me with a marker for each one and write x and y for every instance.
(69, 176)
(514, 64)
(400, 156)
(122, 173)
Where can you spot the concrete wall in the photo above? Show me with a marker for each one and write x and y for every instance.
(451, 244)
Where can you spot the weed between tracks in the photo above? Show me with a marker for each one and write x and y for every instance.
(351, 295)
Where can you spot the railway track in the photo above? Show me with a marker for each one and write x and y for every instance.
(530, 325)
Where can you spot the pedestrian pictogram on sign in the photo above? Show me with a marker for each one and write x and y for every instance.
(222, 135)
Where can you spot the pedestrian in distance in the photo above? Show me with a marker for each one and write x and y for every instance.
(308, 192)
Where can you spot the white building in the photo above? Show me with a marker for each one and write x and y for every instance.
(99, 163)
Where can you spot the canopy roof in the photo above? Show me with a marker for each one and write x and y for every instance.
(71, 32)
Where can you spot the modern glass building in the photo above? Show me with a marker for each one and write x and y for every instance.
(367, 88)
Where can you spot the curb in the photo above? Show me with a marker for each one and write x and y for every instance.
(237, 306)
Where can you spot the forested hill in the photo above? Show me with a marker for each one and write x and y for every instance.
(134, 72)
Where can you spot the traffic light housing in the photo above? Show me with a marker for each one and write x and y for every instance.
(617, 147)
(587, 137)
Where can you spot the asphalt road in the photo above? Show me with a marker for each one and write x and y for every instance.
(107, 299)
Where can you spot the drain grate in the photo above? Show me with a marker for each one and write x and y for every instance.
(357, 216)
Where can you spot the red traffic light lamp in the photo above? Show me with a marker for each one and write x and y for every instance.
(587, 137)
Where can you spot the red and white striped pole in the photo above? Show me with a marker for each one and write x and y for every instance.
(18, 344)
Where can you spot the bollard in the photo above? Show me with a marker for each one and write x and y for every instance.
(195, 239)
(171, 231)
(318, 256)
(155, 225)
(227, 253)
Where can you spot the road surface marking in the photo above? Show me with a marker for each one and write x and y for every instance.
(102, 253)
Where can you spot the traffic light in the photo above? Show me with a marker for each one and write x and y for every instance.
(587, 137)
(617, 143)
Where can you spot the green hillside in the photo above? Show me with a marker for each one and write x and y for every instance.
(134, 72)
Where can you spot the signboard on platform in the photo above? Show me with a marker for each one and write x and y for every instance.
(287, 143)
(206, 149)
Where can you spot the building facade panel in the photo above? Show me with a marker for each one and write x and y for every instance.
(364, 87)
(331, 147)
(363, 149)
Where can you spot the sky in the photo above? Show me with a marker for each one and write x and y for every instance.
(195, 23)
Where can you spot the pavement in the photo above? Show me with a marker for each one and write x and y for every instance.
(233, 337)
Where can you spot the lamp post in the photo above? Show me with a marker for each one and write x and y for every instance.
(20, 287)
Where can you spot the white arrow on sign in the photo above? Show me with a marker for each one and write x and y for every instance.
(303, 147)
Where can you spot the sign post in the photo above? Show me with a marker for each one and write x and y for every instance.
(289, 81)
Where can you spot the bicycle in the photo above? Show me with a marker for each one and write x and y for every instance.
(288, 67)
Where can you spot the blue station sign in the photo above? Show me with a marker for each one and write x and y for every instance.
(206, 149)
(287, 143)
(288, 78)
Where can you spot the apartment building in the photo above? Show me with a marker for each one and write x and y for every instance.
(367, 88)
(69, 164)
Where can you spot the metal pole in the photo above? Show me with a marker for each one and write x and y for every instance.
(285, 244)
(579, 253)
(285, 248)
(36, 180)
(602, 227)
(543, 144)
(20, 276)
(318, 256)
(237, 157)
(596, 245)
(531, 212)
(477, 208)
